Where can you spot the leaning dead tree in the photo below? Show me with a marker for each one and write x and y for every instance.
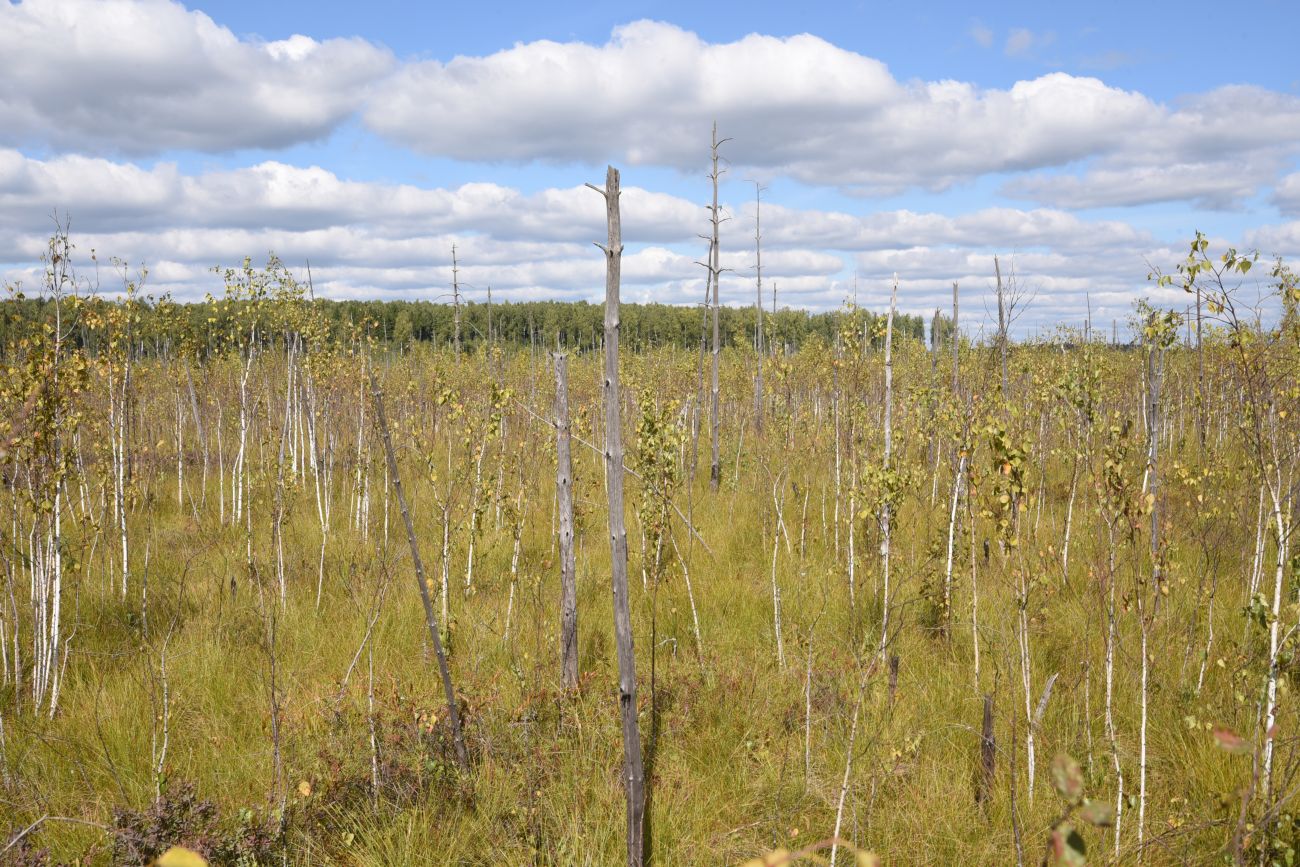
(564, 488)
(462, 757)
(634, 771)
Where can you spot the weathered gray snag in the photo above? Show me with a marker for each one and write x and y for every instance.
(455, 296)
(462, 757)
(988, 754)
(715, 471)
(956, 341)
(1002, 325)
(887, 507)
(633, 764)
(758, 308)
(564, 485)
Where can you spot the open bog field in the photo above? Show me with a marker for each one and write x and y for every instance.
(945, 603)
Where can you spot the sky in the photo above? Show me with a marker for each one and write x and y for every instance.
(1082, 144)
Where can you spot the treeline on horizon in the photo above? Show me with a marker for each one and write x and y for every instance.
(572, 325)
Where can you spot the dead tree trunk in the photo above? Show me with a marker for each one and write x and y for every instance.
(715, 472)
(455, 299)
(462, 757)
(988, 755)
(758, 309)
(564, 484)
(1002, 326)
(632, 761)
(887, 507)
(956, 340)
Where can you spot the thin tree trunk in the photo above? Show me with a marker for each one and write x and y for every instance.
(952, 532)
(956, 341)
(632, 759)
(887, 507)
(564, 484)
(758, 310)
(1002, 326)
(715, 471)
(462, 757)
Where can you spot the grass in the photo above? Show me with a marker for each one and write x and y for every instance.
(724, 730)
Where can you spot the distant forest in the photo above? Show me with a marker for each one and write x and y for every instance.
(574, 325)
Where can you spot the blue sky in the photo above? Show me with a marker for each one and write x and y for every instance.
(1082, 142)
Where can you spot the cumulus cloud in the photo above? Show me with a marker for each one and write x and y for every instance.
(373, 240)
(144, 76)
(1212, 186)
(105, 195)
(1286, 196)
(987, 228)
(805, 108)
(799, 105)
(1278, 240)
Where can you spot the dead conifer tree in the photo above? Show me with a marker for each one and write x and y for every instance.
(564, 486)
(1002, 326)
(715, 472)
(758, 308)
(956, 340)
(462, 757)
(455, 299)
(633, 765)
(887, 506)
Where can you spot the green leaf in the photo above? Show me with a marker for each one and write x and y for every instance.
(1067, 846)
(1076, 852)
(1067, 776)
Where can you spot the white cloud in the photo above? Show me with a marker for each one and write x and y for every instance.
(802, 107)
(369, 240)
(104, 195)
(1278, 240)
(1212, 185)
(140, 77)
(143, 76)
(1286, 196)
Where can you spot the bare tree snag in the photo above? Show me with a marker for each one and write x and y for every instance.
(956, 340)
(988, 754)
(564, 485)
(633, 764)
(887, 507)
(715, 472)
(1002, 326)
(758, 308)
(455, 299)
(462, 757)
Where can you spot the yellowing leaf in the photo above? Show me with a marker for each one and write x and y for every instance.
(1229, 740)
(179, 856)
